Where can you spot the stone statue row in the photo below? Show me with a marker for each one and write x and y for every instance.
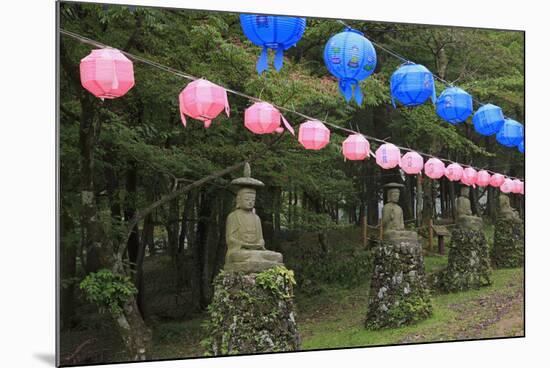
(399, 293)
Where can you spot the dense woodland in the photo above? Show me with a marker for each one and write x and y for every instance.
(138, 187)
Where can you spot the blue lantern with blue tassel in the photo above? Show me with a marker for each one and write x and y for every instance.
(511, 133)
(488, 119)
(350, 57)
(412, 84)
(454, 105)
(272, 32)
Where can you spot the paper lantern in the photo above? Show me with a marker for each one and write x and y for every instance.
(356, 147)
(388, 156)
(521, 146)
(517, 184)
(488, 119)
(453, 172)
(434, 168)
(510, 134)
(313, 135)
(469, 176)
(264, 118)
(483, 178)
(412, 84)
(107, 73)
(507, 186)
(454, 105)
(202, 100)
(496, 180)
(350, 57)
(522, 188)
(272, 32)
(412, 163)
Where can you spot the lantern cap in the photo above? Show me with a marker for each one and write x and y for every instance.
(246, 180)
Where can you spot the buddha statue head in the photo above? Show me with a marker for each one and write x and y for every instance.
(393, 195)
(246, 198)
(465, 191)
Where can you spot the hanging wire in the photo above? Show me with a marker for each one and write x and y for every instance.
(181, 74)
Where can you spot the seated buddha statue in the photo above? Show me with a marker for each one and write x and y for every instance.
(464, 215)
(505, 210)
(246, 250)
(392, 217)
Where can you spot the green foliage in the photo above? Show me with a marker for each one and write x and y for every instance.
(276, 280)
(108, 291)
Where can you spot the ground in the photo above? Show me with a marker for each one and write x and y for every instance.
(335, 318)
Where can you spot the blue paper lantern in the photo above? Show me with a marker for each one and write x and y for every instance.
(521, 145)
(350, 57)
(488, 119)
(412, 84)
(511, 133)
(454, 105)
(272, 32)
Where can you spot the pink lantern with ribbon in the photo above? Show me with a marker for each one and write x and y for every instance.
(313, 135)
(469, 176)
(434, 168)
(107, 73)
(496, 180)
(412, 163)
(454, 172)
(356, 147)
(264, 118)
(388, 156)
(483, 178)
(203, 100)
(507, 186)
(517, 186)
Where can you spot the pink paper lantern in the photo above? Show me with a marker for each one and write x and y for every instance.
(454, 172)
(264, 118)
(203, 100)
(356, 147)
(483, 178)
(313, 135)
(522, 188)
(469, 176)
(517, 186)
(388, 156)
(507, 186)
(434, 168)
(107, 73)
(412, 163)
(496, 180)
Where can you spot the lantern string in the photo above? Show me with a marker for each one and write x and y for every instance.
(181, 74)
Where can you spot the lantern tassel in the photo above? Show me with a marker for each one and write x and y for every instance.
(261, 66)
(183, 121)
(227, 108)
(207, 123)
(278, 62)
(287, 125)
(433, 92)
(358, 94)
(345, 89)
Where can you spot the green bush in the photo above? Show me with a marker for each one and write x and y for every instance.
(108, 290)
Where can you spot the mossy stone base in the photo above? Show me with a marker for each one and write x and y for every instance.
(398, 292)
(468, 266)
(252, 313)
(508, 245)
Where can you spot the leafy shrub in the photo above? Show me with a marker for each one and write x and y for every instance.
(108, 290)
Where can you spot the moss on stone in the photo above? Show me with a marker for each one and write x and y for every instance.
(398, 294)
(252, 313)
(508, 244)
(469, 265)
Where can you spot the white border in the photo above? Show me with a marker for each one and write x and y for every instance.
(27, 142)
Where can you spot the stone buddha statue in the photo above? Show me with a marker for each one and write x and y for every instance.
(245, 243)
(505, 210)
(464, 215)
(392, 216)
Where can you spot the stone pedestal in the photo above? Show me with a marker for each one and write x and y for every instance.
(252, 313)
(508, 244)
(398, 292)
(468, 266)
